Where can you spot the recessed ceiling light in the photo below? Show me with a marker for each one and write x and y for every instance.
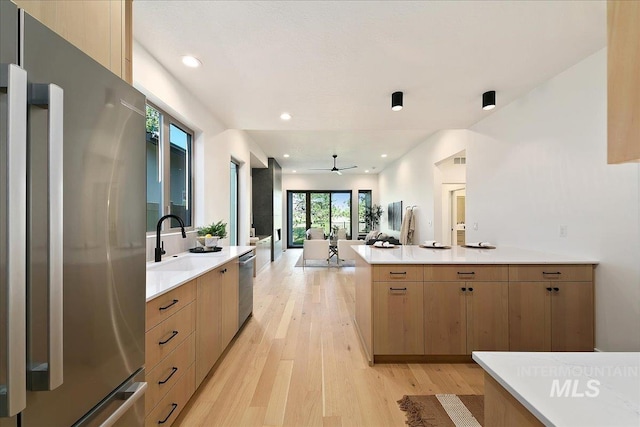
(286, 155)
(367, 171)
(384, 155)
(285, 116)
(191, 61)
(293, 171)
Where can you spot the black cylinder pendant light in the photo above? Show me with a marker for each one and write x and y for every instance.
(396, 101)
(489, 100)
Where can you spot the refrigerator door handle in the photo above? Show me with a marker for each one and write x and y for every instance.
(13, 397)
(130, 396)
(51, 97)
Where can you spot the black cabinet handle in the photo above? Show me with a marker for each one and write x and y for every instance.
(398, 272)
(223, 271)
(557, 273)
(398, 289)
(556, 289)
(463, 289)
(174, 406)
(169, 339)
(466, 272)
(173, 371)
(549, 289)
(470, 289)
(175, 301)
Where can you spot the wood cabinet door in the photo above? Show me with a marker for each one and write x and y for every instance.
(445, 318)
(572, 317)
(209, 304)
(487, 316)
(230, 300)
(398, 321)
(529, 316)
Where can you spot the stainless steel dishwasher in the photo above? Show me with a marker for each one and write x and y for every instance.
(245, 288)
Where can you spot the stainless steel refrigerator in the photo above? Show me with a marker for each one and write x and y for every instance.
(72, 234)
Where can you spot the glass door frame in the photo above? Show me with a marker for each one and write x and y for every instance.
(308, 223)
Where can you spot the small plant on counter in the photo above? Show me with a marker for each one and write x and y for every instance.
(218, 229)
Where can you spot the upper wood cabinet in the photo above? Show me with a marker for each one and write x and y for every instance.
(100, 28)
(623, 88)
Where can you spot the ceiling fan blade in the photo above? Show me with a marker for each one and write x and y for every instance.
(319, 169)
(338, 172)
(349, 167)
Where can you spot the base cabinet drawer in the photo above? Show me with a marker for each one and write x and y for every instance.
(166, 412)
(400, 273)
(168, 372)
(165, 306)
(164, 338)
(551, 272)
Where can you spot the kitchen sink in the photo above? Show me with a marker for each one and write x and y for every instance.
(183, 263)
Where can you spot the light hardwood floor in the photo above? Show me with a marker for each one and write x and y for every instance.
(298, 361)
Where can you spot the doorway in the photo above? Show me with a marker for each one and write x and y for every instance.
(458, 223)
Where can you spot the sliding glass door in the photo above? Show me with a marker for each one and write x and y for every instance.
(328, 210)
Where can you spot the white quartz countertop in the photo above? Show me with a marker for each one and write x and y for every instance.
(604, 388)
(413, 254)
(176, 270)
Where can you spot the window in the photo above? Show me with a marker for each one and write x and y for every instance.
(328, 210)
(233, 203)
(364, 204)
(169, 169)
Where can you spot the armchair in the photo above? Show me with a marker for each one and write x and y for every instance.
(345, 250)
(315, 233)
(315, 249)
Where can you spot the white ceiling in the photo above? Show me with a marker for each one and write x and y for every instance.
(334, 64)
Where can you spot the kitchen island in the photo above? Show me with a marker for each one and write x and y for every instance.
(191, 318)
(416, 304)
(561, 389)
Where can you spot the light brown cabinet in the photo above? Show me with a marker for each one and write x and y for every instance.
(217, 319)
(623, 67)
(100, 28)
(230, 300)
(553, 310)
(398, 318)
(465, 316)
(170, 352)
(208, 330)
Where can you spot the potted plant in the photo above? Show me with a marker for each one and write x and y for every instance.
(210, 234)
(372, 216)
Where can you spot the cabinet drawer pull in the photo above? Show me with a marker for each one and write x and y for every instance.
(174, 302)
(398, 272)
(173, 371)
(466, 272)
(557, 273)
(173, 334)
(398, 289)
(173, 408)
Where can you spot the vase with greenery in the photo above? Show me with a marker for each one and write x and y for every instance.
(372, 216)
(209, 235)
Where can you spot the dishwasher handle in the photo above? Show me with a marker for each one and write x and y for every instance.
(247, 260)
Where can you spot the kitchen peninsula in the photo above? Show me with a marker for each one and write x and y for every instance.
(416, 304)
(191, 318)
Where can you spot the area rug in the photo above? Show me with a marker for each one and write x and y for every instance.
(320, 263)
(443, 410)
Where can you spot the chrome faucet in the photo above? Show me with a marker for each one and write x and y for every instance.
(160, 249)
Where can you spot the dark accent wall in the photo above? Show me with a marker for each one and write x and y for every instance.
(267, 204)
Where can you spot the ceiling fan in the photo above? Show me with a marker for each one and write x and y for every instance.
(335, 168)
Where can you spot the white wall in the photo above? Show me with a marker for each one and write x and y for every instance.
(539, 163)
(214, 147)
(329, 181)
(415, 180)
